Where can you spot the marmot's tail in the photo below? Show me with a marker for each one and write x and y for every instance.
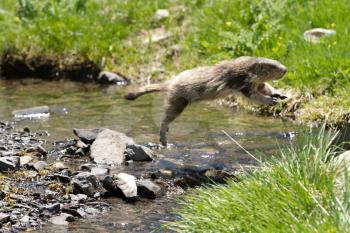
(144, 90)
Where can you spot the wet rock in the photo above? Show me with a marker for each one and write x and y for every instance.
(87, 135)
(25, 160)
(52, 208)
(39, 165)
(148, 189)
(106, 77)
(314, 35)
(99, 171)
(4, 218)
(127, 184)
(35, 112)
(87, 184)
(139, 153)
(109, 147)
(162, 14)
(81, 145)
(62, 219)
(9, 163)
(80, 198)
(121, 185)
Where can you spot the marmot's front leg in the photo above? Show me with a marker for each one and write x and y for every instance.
(268, 90)
(173, 109)
(259, 98)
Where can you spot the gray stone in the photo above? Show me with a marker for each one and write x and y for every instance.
(35, 112)
(24, 160)
(9, 163)
(81, 198)
(122, 185)
(62, 219)
(39, 165)
(86, 183)
(106, 77)
(127, 184)
(87, 135)
(314, 35)
(4, 218)
(139, 153)
(52, 208)
(99, 171)
(109, 147)
(148, 189)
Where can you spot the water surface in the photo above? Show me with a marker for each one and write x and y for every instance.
(197, 137)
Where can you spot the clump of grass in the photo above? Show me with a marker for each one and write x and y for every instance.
(292, 193)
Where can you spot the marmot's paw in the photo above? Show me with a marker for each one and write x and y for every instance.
(279, 95)
(272, 101)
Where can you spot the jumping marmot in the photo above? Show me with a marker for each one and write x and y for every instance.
(246, 75)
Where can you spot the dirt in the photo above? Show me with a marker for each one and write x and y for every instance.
(15, 66)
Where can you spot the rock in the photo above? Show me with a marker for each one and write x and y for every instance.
(106, 77)
(38, 149)
(80, 198)
(109, 147)
(52, 208)
(39, 165)
(87, 184)
(314, 35)
(161, 14)
(99, 171)
(139, 153)
(59, 166)
(9, 163)
(122, 185)
(127, 184)
(148, 189)
(87, 135)
(62, 219)
(25, 160)
(35, 112)
(4, 218)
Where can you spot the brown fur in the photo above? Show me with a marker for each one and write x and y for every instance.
(246, 75)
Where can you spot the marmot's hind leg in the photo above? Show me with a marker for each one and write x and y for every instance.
(173, 109)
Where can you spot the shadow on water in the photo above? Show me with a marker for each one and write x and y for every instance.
(197, 136)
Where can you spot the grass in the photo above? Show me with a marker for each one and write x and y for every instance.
(112, 33)
(294, 192)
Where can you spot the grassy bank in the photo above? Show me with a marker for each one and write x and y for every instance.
(295, 192)
(116, 35)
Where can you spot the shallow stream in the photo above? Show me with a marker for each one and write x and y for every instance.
(196, 138)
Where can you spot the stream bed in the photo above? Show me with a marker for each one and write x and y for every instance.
(196, 138)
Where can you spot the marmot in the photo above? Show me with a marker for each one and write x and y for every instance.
(246, 75)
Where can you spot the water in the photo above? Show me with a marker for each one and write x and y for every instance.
(197, 137)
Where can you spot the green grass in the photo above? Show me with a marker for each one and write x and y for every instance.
(294, 192)
(111, 33)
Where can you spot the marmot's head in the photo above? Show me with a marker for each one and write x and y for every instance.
(262, 69)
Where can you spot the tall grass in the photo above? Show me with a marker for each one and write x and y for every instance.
(292, 193)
